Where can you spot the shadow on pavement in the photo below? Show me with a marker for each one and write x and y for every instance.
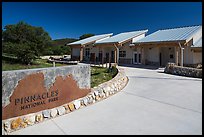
(139, 66)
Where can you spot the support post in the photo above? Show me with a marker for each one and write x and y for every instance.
(181, 54)
(137, 55)
(116, 54)
(143, 56)
(81, 53)
(176, 57)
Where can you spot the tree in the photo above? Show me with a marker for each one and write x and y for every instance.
(27, 42)
(86, 36)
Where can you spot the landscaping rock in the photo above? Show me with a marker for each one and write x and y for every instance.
(7, 126)
(96, 93)
(61, 110)
(97, 98)
(46, 113)
(77, 104)
(16, 123)
(29, 120)
(107, 94)
(3, 131)
(67, 110)
(23, 125)
(53, 112)
(85, 101)
(71, 106)
(39, 118)
(90, 99)
(108, 89)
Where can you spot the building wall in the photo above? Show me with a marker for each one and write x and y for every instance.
(75, 51)
(166, 53)
(128, 49)
(94, 50)
(188, 55)
(197, 57)
(153, 54)
(129, 54)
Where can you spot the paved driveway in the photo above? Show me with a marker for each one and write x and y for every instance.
(151, 103)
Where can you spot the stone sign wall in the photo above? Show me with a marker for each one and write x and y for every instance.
(33, 90)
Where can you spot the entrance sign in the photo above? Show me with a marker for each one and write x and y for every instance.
(32, 93)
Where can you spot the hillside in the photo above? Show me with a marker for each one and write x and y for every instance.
(62, 42)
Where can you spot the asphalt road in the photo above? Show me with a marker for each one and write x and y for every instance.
(152, 103)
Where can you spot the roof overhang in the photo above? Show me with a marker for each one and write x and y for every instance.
(81, 45)
(160, 42)
(129, 39)
(106, 44)
(122, 41)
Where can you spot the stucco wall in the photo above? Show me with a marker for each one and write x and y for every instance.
(94, 50)
(129, 51)
(188, 55)
(75, 51)
(197, 57)
(153, 54)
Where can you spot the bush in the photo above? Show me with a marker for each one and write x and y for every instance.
(25, 54)
(24, 41)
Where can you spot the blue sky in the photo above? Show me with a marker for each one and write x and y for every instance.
(72, 19)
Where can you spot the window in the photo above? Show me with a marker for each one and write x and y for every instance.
(171, 56)
(122, 53)
(87, 52)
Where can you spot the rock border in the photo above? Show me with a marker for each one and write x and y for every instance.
(97, 94)
(172, 68)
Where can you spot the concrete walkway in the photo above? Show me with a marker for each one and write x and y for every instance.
(151, 103)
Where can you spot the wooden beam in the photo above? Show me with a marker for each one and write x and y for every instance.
(81, 54)
(104, 45)
(175, 43)
(176, 55)
(115, 53)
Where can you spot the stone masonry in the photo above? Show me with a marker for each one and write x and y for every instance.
(172, 68)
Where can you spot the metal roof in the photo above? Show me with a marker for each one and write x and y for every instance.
(197, 43)
(122, 37)
(90, 39)
(175, 34)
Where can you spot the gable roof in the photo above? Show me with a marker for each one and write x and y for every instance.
(166, 35)
(197, 43)
(119, 38)
(91, 39)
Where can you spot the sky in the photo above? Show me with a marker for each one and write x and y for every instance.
(73, 19)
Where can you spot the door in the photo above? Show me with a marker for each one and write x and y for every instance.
(136, 58)
(160, 59)
(112, 56)
(107, 57)
(100, 56)
(93, 57)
